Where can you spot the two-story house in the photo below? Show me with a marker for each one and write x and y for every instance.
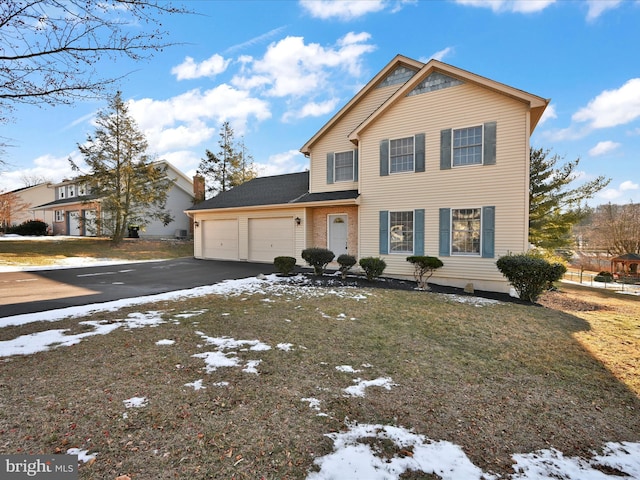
(74, 209)
(427, 159)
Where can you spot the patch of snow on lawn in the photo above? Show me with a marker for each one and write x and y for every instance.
(197, 385)
(135, 402)
(314, 403)
(251, 366)
(165, 341)
(358, 389)
(347, 369)
(141, 320)
(286, 347)
(43, 341)
(354, 458)
(227, 343)
(216, 360)
(83, 455)
(477, 301)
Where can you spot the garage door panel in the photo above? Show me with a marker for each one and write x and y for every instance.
(220, 239)
(270, 238)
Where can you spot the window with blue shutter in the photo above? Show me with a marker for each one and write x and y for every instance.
(488, 232)
(490, 143)
(445, 149)
(355, 165)
(468, 146)
(330, 158)
(445, 232)
(384, 158)
(419, 152)
(418, 232)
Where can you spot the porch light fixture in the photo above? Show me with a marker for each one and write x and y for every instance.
(298, 220)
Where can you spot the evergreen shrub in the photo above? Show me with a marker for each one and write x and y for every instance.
(530, 275)
(29, 228)
(346, 262)
(318, 258)
(284, 265)
(372, 266)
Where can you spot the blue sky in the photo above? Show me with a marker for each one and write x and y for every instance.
(278, 70)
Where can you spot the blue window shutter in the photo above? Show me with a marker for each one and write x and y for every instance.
(419, 152)
(384, 232)
(490, 143)
(418, 232)
(355, 165)
(330, 157)
(384, 158)
(445, 149)
(445, 232)
(488, 231)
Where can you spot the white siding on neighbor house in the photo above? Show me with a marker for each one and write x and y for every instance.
(274, 225)
(503, 185)
(336, 140)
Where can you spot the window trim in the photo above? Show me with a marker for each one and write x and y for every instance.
(353, 166)
(480, 230)
(413, 235)
(413, 154)
(71, 190)
(62, 192)
(453, 148)
(59, 216)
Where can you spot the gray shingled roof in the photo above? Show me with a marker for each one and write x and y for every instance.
(275, 190)
(69, 200)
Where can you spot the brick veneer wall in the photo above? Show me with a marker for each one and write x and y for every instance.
(319, 236)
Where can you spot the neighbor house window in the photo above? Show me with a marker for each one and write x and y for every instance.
(62, 192)
(467, 146)
(343, 167)
(401, 155)
(465, 231)
(72, 190)
(59, 215)
(401, 232)
(82, 189)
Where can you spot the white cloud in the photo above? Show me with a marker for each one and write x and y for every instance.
(191, 118)
(549, 113)
(612, 107)
(285, 162)
(292, 68)
(515, 6)
(629, 185)
(312, 109)
(439, 55)
(598, 7)
(342, 9)
(211, 67)
(603, 148)
(46, 166)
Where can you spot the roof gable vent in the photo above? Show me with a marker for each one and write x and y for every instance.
(399, 75)
(435, 81)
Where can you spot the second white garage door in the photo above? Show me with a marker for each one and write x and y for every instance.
(220, 239)
(270, 238)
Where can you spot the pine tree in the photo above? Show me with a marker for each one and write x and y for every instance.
(229, 167)
(554, 208)
(131, 188)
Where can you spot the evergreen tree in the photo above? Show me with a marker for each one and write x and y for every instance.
(554, 208)
(131, 188)
(229, 167)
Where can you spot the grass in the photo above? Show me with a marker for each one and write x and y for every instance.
(497, 379)
(48, 252)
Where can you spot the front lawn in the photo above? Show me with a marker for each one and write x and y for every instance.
(263, 382)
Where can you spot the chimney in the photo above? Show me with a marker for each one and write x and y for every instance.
(198, 189)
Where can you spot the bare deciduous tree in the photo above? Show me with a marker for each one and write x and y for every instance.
(614, 228)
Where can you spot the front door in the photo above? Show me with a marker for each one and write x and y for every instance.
(338, 234)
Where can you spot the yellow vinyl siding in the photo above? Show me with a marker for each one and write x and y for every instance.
(336, 140)
(474, 186)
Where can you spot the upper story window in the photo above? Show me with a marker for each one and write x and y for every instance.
(343, 167)
(82, 190)
(401, 155)
(465, 231)
(467, 146)
(401, 232)
(59, 215)
(72, 190)
(62, 192)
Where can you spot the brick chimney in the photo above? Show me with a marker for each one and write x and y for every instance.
(198, 189)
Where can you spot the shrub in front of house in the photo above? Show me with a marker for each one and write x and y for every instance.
(424, 265)
(284, 265)
(373, 267)
(606, 277)
(530, 275)
(318, 258)
(346, 262)
(29, 228)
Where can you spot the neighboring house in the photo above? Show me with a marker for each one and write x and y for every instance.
(427, 159)
(74, 209)
(15, 206)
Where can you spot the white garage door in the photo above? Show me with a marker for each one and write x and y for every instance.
(270, 238)
(220, 239)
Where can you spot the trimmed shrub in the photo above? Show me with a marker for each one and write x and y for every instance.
(530, 275)
(29, 228)
(346, 262)
(284, 265)
(606, 277)
(424, 265)
(318, 258)
(373, 267)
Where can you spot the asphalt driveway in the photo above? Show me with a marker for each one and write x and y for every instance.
(37, 291)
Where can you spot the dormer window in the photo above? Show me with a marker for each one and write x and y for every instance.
(72, 190)
(62, 192)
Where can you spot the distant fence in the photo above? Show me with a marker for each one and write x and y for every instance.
(587, 279)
